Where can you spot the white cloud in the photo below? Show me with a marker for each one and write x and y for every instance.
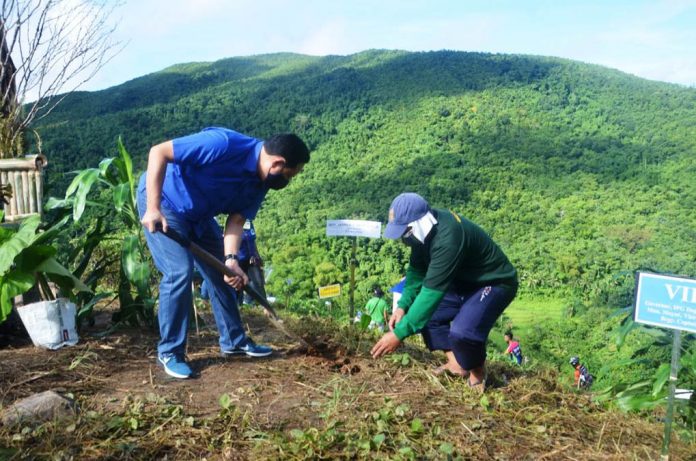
(331, 38)
(665, 69)
(651, 51)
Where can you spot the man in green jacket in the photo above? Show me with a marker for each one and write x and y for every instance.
(457, 284)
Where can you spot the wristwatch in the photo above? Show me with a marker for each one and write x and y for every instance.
(231, 256)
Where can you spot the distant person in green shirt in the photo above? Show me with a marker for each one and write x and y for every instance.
(377, 309)
(457, 284)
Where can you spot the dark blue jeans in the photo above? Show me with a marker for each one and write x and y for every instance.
(462, 322)
(176, 265)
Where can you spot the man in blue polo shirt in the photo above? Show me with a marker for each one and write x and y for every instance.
(189, 181)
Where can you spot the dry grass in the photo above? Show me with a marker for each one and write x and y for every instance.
(335, 403)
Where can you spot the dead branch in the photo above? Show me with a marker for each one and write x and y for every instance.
(48, 49)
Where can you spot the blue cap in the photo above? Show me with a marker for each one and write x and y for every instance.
(405, 209)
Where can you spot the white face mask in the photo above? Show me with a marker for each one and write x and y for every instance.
(422, 227)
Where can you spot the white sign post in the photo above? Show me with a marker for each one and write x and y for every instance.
(668, 302)
(353, 228)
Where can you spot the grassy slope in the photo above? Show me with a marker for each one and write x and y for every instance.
(524, 312)
(581, 173)
(335, 403)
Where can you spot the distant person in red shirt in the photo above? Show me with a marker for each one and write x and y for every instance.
(583, 378)
(513, 349)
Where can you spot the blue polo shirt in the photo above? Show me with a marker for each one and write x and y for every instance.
(214, 172)
(399, 287)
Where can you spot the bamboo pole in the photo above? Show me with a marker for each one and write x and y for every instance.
(17, 193)
(30, 162)
(38, 178)
(25, 177)
(31, 183)
(14, 208)
(25, 192)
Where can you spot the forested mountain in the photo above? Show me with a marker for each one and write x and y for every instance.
(582, 173)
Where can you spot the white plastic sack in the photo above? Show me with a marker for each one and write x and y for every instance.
(51, 324)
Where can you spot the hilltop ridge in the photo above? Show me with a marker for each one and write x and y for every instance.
(579, 171)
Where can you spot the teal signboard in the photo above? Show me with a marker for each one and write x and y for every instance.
(665, 301)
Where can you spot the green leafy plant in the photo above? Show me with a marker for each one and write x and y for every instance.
(650, 392)
(27, 258)
(402, 359)
(114, 178)
(364, 323)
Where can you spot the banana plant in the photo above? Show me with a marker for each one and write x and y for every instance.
(115, 176)
(27, 259)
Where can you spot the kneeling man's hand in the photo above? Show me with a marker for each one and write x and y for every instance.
(396, 317)
(386, 345)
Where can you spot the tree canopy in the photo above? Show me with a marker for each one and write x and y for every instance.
(581, 173)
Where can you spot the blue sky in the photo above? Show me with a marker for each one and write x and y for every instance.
(651, 39)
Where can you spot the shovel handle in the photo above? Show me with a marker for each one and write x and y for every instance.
(218, 265)
(174, 235)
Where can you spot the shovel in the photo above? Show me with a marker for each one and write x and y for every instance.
(218, 265)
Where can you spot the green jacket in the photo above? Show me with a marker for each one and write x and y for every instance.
(457, 255)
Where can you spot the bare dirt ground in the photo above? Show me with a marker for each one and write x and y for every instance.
(333, 402)
(123, 364)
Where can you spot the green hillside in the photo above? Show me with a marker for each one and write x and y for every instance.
(582, 173)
